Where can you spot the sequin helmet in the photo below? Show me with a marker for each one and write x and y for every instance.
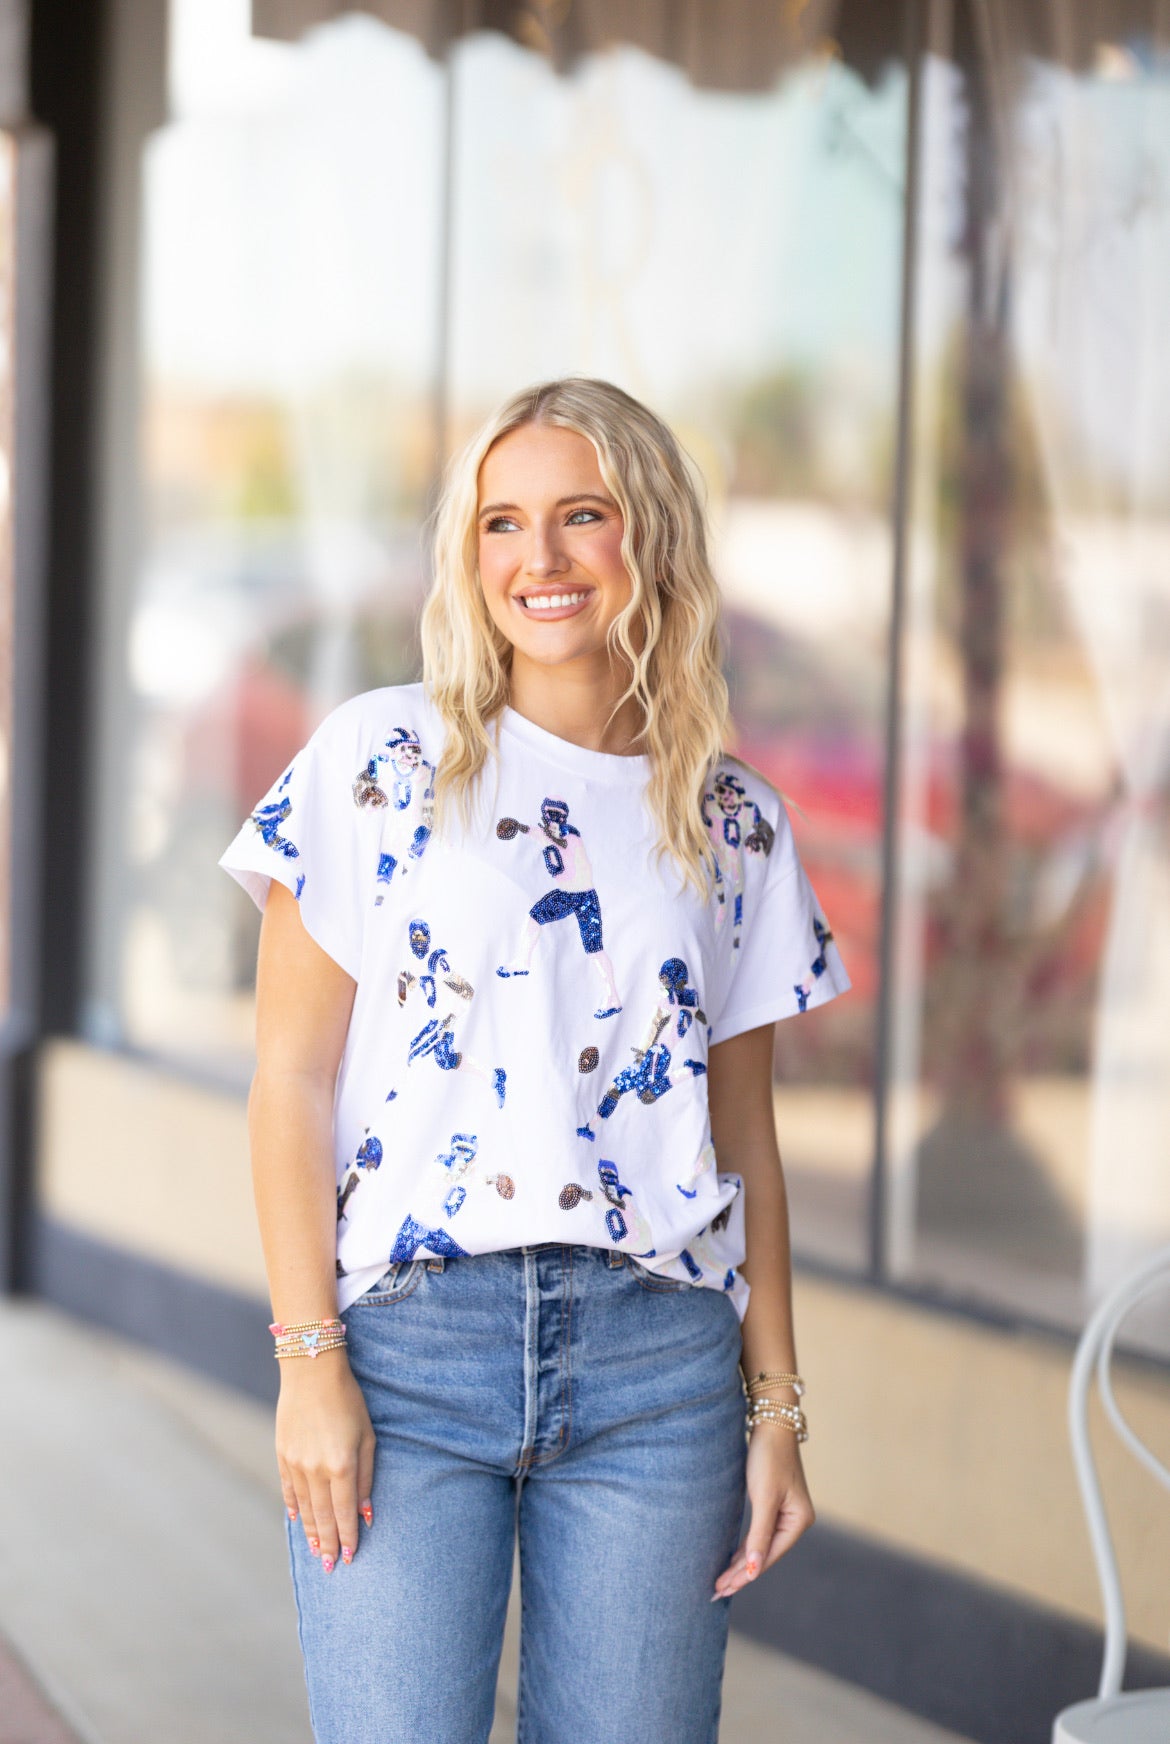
(403, 739)
(673, 975)
(729, 787)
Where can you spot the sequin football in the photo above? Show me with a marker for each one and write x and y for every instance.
(536, 995)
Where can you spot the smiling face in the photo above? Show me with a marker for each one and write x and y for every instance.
(549, 538)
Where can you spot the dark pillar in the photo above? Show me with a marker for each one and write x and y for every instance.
(49, 110)
(26, 270)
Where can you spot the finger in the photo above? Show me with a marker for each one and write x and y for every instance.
(795, 1519)
(365, 1477)
(737, 1560)
(790, 1516)
(343, 1492)
(760, 1535)
(320, 1491)
(304, 1506)
(732, 1577)
(748, 1560)
(288, 1491)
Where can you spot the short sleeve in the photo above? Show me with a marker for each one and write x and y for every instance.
(788, 960)
(309, 832)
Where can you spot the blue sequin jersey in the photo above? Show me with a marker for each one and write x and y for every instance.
(536, 995)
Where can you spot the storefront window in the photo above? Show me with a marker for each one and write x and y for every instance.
(731, 257)
(340, 246)
(288, 222)
(347, 246)
(1032, 1065)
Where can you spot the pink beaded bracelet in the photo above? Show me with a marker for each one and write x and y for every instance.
(307, 1337)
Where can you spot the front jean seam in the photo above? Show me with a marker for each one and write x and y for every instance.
(531, 1362)
(522, 1679)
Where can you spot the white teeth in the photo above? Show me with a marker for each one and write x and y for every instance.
(551, 602)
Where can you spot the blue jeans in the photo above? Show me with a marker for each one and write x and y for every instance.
(570, 1395)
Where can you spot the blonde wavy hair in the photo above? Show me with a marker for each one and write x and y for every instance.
(667, 637)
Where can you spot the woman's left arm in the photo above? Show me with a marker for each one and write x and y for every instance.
(743, 1131)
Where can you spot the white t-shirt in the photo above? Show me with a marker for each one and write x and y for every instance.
(527, 1052)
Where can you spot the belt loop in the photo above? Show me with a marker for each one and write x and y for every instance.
(436, 1263)
(616, 1259)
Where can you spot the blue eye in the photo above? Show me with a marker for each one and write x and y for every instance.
(499, 522)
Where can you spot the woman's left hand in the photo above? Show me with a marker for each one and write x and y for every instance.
(781, 1506)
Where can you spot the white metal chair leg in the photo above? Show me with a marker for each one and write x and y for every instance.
(1141, 1716)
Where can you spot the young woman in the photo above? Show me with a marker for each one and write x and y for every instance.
(527, 931)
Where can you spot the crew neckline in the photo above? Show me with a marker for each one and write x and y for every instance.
(601, 765)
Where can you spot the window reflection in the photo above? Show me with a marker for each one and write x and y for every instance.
(720, 232)
(1034, 996)
(290, 226)
(733, 259)
(730, 255)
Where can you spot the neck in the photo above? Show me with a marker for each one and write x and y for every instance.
(575, 707)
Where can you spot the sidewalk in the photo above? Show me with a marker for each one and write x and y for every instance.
(144, 1587)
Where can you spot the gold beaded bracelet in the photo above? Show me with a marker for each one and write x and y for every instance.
(764, 1407)
(278, 1328)
(303, 1348)
(792, 1417)
(774, 1378)
(776, 1407)
(307, 1337)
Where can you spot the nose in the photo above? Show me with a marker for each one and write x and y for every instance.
(545, 556)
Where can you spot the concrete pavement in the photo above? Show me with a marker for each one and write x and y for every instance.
(125, 1476)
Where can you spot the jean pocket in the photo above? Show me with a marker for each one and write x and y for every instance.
(398, 1281)
(656, 1281)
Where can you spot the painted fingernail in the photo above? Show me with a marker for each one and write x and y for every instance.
(327, 1564)
(346, 1553)
(292, 1513)
(367, 1513)
(314, 1545)
(752, 1567)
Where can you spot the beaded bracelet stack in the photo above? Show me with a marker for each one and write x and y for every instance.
(307, 1337)
(762, 1408)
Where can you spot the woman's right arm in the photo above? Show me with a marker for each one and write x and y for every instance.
(324, 1438)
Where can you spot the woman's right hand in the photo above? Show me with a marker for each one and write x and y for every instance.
(325, 1452)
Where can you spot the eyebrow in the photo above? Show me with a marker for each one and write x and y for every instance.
(561, 503)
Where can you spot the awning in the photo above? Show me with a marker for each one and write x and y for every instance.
(743, 45)
(735, 45)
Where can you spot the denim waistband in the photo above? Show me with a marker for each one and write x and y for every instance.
(583, 1250)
